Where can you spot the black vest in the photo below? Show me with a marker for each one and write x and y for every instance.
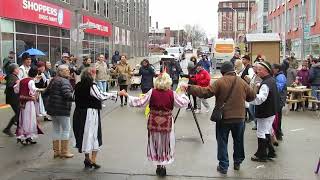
(245, 71)
(83, 98)
(270, 106)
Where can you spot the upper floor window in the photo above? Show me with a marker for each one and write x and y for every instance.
(85, 5)
(106, 8)
(96, 6)
(313, 11)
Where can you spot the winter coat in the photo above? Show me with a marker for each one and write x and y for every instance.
(205, 64)
(60, 94)
(125, 71)
(191, 72)
(281, 82)
(202, 78)
(102, 71)
(234, 109)
(304, 77)
(116, 57)
(291, 76)
(147, 74)
(314, 75)
(174, 70)
(11, 96)
(6, 62)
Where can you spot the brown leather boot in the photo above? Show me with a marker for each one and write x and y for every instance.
(56, 148)
(65, 149)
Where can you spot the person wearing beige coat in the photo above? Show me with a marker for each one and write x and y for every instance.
(124, 74)
(102, 73)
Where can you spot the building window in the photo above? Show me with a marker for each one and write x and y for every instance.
(265, 5)
(123, 12)
(239, 5)
(241, 16)
(106, 8)
(66, 1)
(128, 13)
(85, 5)
(241, 26)
(313, 10)
(296, 17)
(224, 26)
(289, 20)
(116, 10)
(243, 5)
(135, 13)
(224, 4)
(96, 6)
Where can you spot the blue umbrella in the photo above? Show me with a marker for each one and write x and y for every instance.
(33, 52)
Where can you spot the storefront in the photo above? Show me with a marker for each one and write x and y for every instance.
(37, 24)
(311, 46)
(96, 41)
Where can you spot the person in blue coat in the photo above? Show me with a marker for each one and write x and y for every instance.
(147, 73)
(281, 82)
(205, 63)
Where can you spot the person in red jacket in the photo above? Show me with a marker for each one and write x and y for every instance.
(202, 78)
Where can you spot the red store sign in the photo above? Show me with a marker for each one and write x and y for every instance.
(102, 28)
(36, 11)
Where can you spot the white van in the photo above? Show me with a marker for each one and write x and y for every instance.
(176, 52)
(223, 51)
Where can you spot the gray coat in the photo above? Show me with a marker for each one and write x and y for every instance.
(60, 97)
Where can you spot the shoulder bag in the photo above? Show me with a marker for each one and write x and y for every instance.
(217, 114)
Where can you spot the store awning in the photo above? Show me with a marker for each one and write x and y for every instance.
(263, 37)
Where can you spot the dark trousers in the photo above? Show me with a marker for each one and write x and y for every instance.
(278, 131)
(15, 118)
(123, 87)
(145, 90)
(194, 101)
(222, 134)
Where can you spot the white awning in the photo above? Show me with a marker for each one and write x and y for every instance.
(263, 37)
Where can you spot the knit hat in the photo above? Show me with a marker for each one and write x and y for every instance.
(227, 67)
(266, 65)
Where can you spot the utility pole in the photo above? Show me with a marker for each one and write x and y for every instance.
(248, 18)
(303, 16)
(285, 31)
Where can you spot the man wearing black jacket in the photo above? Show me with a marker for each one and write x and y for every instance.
(11, 97)
(266, 102)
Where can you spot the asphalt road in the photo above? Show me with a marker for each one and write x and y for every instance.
(123, 155)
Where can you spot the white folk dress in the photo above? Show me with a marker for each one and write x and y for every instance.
(87, 123)
(157, 142)
(28, 125)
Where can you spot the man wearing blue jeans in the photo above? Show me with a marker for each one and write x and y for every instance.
(233, 113)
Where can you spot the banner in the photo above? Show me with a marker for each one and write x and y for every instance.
(116, 35)
(36, 11)
(102, 28)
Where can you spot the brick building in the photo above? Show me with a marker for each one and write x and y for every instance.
(289, 24)
(233, 18)
(259, 17)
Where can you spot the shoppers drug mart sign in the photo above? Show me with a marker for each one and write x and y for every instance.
(99, 27)
(36, 11)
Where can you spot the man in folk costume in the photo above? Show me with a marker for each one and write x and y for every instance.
(266, 103)
(161, 139)
(28, 128)
(86, 116)
(25, 67)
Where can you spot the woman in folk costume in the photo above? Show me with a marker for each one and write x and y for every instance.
(86, 117)
(41, 82)
(28, 128)
(161, 139)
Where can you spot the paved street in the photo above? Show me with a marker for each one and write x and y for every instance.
(123, 155)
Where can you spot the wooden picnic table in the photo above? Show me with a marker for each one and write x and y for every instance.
(298, 94)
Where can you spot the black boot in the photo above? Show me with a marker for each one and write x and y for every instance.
(163, 171)
(158, 170)
(261, 154)
(271, 151)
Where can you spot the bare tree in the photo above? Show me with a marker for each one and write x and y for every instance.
(195, 33)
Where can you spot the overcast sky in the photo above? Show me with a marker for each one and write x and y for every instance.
(177, 13)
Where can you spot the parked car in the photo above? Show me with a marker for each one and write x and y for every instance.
(176, 52)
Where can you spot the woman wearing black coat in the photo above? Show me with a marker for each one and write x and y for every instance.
(11, 97)
(147, 73)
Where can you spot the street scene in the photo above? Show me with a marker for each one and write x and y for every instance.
(147, 89)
